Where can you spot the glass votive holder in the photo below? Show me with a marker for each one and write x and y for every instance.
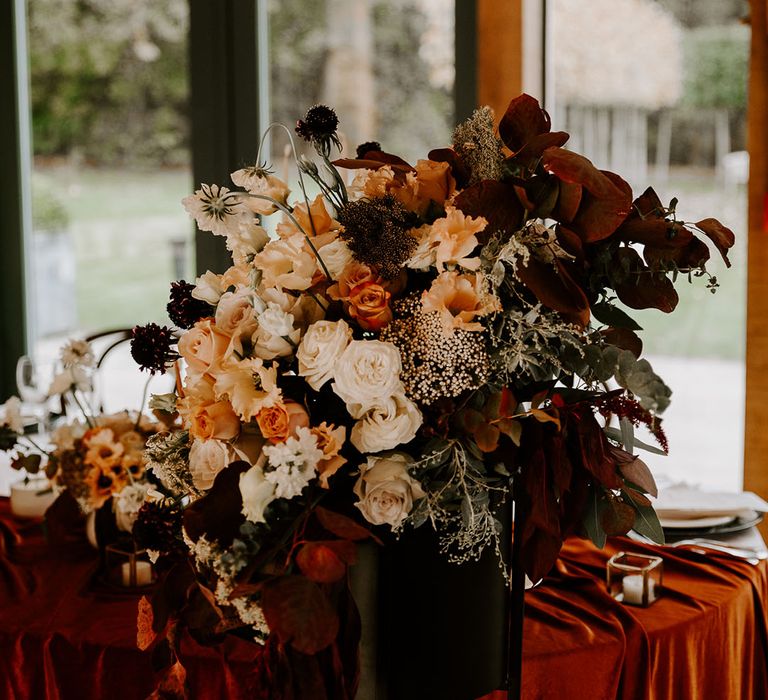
(635, 579)
(128, 568)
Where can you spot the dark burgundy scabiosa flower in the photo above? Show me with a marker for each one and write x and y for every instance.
(183, 309)
(377, 232)
(151, 347)
(319, 128)
(364, 148)
(158, 527)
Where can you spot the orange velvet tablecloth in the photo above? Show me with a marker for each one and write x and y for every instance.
(62, 636)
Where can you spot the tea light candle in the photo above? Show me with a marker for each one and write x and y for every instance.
(143, 573)
(632, 586)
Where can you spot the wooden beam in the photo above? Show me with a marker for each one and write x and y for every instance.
(499, 52)
(756, 419)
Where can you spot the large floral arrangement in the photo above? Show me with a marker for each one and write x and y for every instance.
(406, 348)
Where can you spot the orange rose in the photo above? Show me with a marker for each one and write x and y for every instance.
(330, 440)
(281, 421)
(203, 346)
(353, 275)
(214, 420)
(369, 306)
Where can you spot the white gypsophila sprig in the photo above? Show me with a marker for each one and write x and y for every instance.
(459, 506)
(293, 462)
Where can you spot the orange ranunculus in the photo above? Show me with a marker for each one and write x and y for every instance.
(203, 347)
(369, 306)
(330, 440)
(214, 420)
(281, 421)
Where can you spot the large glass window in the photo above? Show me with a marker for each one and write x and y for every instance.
(386, 67)
(110, 139)
(656, 91)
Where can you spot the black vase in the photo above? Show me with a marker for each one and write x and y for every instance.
(442, 627)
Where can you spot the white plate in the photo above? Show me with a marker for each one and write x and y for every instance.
(695, 523)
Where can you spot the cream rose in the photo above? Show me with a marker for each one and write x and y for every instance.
(321, 347)
(206, 459)
(392, 422)
(257, 493)
(337, 257)
(203, 347)
(235, 315)
(367, 373)
(386, 490)
(275, 335)
(208, 288)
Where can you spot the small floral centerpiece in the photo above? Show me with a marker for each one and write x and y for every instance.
(93, 457)
(406, 347)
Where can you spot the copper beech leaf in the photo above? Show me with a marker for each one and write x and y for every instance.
(497, 202)
(554, 287)
(326, 562)
(145, 635)
(721, 236)
(523, 120)
(605, 200)
(487, 437)
(642, 288)
(299, 613)
(342, 526)
(617, 518)
(639, 474)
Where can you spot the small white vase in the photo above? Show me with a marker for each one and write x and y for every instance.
(32, 497)
(90, 529)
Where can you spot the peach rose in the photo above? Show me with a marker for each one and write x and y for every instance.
(215, 420)
(235, 314)
(369, 306)
(330, 440)
(459, 299)
(203, 347)
(281, 421)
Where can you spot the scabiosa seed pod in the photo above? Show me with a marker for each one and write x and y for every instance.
(364, 148)
(183, 309)
(151, 347)
(319, 128)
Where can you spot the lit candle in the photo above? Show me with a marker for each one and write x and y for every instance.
(632, 587)
(143, 573)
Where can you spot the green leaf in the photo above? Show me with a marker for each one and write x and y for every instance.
(592, 519)
(615, 434)
(610, 315)
(627, 434)
(647, 523)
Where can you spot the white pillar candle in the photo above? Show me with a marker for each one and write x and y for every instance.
(143, 573)
(32, 498)
(632, 586)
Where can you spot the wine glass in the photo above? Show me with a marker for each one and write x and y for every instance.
(33, 391)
